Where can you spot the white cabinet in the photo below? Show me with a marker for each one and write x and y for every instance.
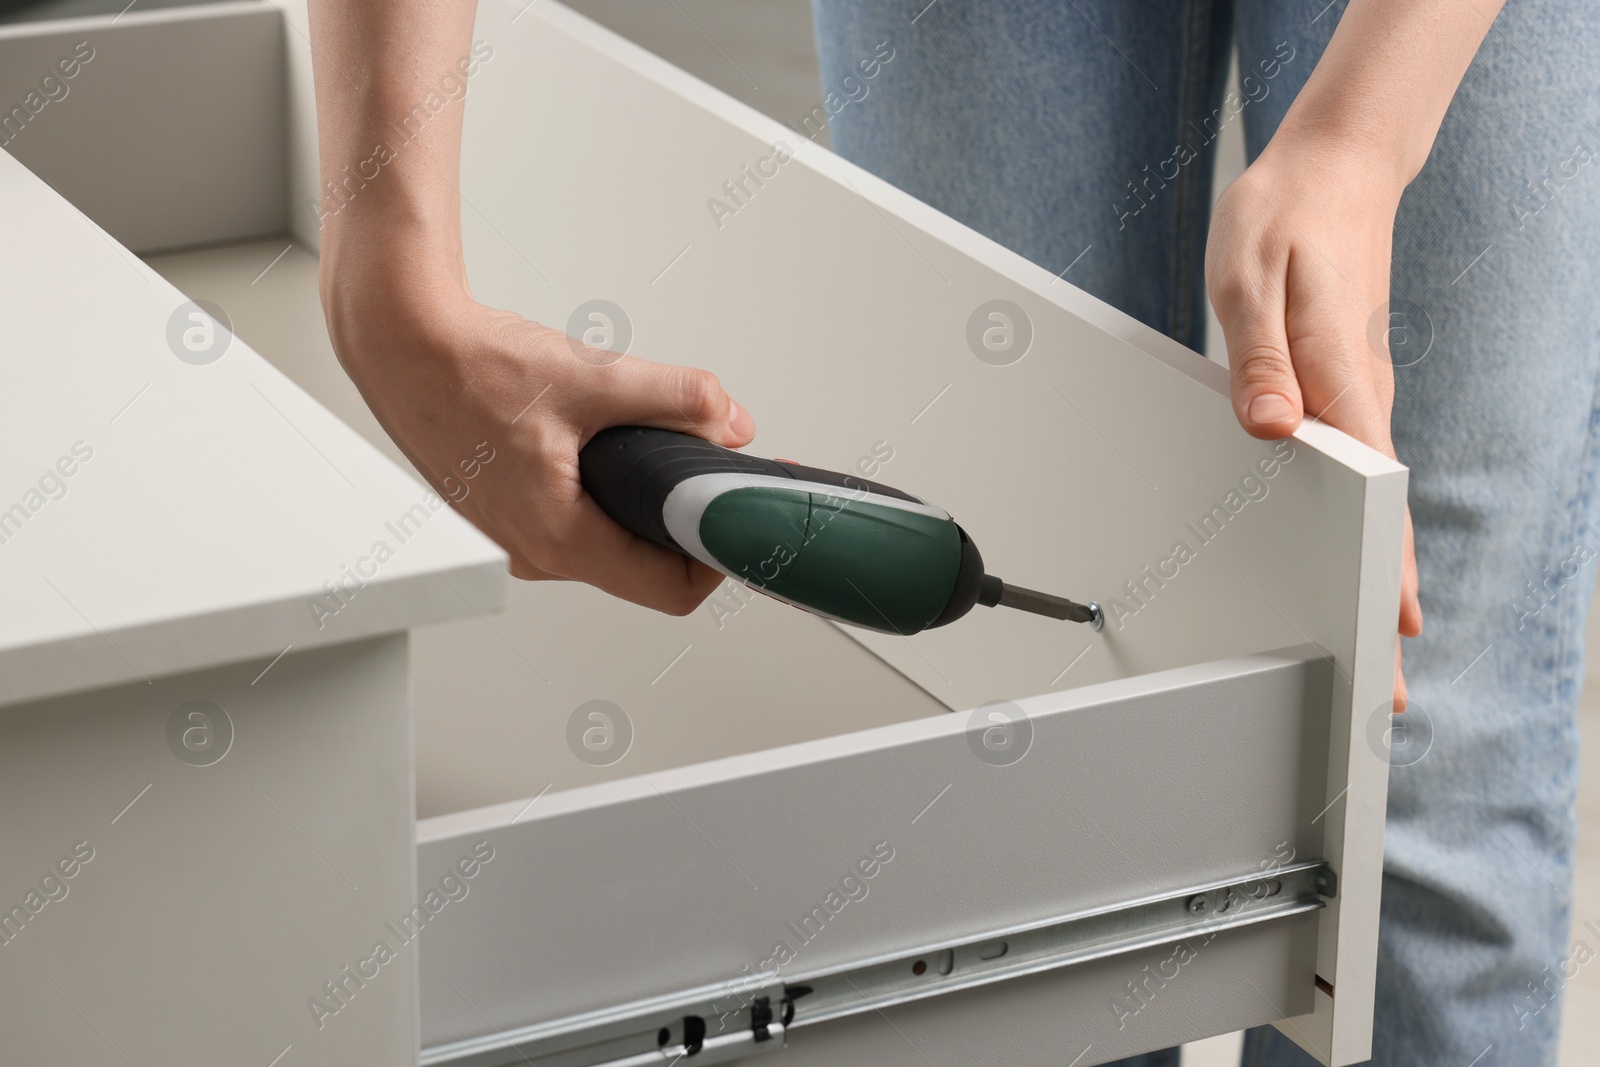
(204, 719)
(1174, 827)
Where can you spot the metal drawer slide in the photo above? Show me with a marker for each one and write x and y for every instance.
(736, 1019)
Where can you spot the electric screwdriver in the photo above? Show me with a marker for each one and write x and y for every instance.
(837, 545)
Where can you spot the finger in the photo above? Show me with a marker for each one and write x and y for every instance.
(1402, 698)
(527, 572)
(585, 545)
(1410, 602)
(596, 550)
(1266, 393)
(672, 598)
(591, 548)
(685, 399)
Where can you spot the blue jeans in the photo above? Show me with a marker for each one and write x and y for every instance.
(1052, 128)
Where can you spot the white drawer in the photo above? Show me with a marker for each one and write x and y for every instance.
(1224, 731)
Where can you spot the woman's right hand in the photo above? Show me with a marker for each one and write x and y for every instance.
(453, 381)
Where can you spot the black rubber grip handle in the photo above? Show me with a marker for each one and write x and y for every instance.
(630, 470)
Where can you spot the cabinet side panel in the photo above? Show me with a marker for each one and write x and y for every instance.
(237, 837)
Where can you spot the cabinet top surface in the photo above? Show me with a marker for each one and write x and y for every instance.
(168, 499)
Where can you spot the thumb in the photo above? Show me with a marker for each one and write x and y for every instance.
(1266, 393)
(667, 397)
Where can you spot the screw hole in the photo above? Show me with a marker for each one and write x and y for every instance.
(663, 1035)
(694, 1034)
(919, 967)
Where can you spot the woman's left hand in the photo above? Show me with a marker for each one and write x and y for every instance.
(1297, 264)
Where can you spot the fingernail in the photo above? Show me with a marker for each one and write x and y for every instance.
(1271, 407)
(739, 420)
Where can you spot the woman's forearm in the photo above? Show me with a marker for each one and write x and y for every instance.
(1386, 79)
(447, 376)
(391, 78)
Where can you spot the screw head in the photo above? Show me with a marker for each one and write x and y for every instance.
(1199, 905)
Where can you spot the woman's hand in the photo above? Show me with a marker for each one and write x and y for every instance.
(1297, 264)
(453, 381)
(449, 378)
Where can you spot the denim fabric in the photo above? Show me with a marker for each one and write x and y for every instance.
(1052, 128)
